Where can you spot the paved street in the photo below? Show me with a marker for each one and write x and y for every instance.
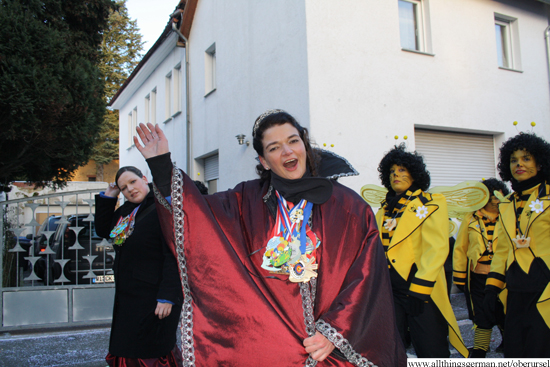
(87, 348)
(84, 348)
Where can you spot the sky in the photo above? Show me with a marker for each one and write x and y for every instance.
(151, 17)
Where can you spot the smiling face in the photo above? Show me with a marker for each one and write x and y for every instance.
(284, 152)
(400, 179)
(133, 187)
(523, 165)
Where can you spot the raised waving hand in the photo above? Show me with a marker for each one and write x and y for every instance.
(153, 138)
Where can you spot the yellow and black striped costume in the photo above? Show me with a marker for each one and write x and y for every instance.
(416, 250)
(524, 272)
(472, 257)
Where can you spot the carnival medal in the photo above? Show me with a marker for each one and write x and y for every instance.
(390, 224)
(521, 241)
(124, 228)
(290, 250)
(303, 270)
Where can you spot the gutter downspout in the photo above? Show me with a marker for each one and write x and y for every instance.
(187, 97)
(547, 37)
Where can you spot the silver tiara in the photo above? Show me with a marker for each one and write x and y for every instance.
(261, 118)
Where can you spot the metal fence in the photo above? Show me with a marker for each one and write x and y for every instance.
(54, 269)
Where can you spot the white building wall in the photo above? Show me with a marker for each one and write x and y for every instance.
(338, 67)
(174, 126)
(364, 90)
(261, 61)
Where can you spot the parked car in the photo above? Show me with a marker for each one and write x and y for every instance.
(89, 248)
(25, 243)
(41, 241)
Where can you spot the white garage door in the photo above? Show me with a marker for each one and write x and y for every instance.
(455, 157)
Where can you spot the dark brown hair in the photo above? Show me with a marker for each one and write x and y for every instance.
(126, 169)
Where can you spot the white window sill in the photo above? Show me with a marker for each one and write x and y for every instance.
(167, 120)
(417, 52)
(516, 70)
(209, 93)
(176, 114)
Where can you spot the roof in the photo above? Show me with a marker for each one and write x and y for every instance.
(189, 7)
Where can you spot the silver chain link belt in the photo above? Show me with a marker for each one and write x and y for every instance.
(186, 320)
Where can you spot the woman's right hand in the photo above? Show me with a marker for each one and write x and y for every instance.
(112, 190)
(154, 140)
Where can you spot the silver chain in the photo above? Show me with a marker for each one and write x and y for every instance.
(308, 300)
(186, 320)
(342, 344)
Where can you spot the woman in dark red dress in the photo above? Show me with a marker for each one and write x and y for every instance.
(286, 270)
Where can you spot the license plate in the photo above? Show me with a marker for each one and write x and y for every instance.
(104, 279)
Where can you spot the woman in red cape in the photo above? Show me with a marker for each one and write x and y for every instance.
(286, 270)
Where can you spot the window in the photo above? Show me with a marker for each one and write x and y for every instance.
(210, 70)
(502, 30)
(177, 88)
(507, 42)
(130, 133)
(146, 108)
(154, 106)
(134, 124)
(92, 178)
(414, 25)
(168, 96)
(409, 22)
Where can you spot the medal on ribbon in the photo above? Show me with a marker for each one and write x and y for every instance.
(291, 250)
(521, 241)
(124, 228)
(390, 224)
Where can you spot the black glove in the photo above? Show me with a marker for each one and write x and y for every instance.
(490, 305)
(416, 306)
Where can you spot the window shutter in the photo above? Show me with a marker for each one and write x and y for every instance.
(211, 168)
(455, 157)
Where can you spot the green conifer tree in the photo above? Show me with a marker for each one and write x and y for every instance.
(121, 49)
(52, 100)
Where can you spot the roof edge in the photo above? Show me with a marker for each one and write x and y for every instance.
(165, 34)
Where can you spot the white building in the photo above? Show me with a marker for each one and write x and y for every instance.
(452, 75)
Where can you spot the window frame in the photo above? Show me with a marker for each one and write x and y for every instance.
(130, 136)
(176, 81)
(210, 70)
(153, 109)
(417, 21)
(168, 96)
(511, 43)
(146, 109)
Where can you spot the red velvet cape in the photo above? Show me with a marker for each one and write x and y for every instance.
(243, 319)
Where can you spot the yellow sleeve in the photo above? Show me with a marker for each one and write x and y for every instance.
(497, 274)
(379, 219)
(434, 249)
(460, 252)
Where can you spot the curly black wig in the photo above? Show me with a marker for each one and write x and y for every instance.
(493, 184)
(537, 146)
(276, 118)
(413, 162)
